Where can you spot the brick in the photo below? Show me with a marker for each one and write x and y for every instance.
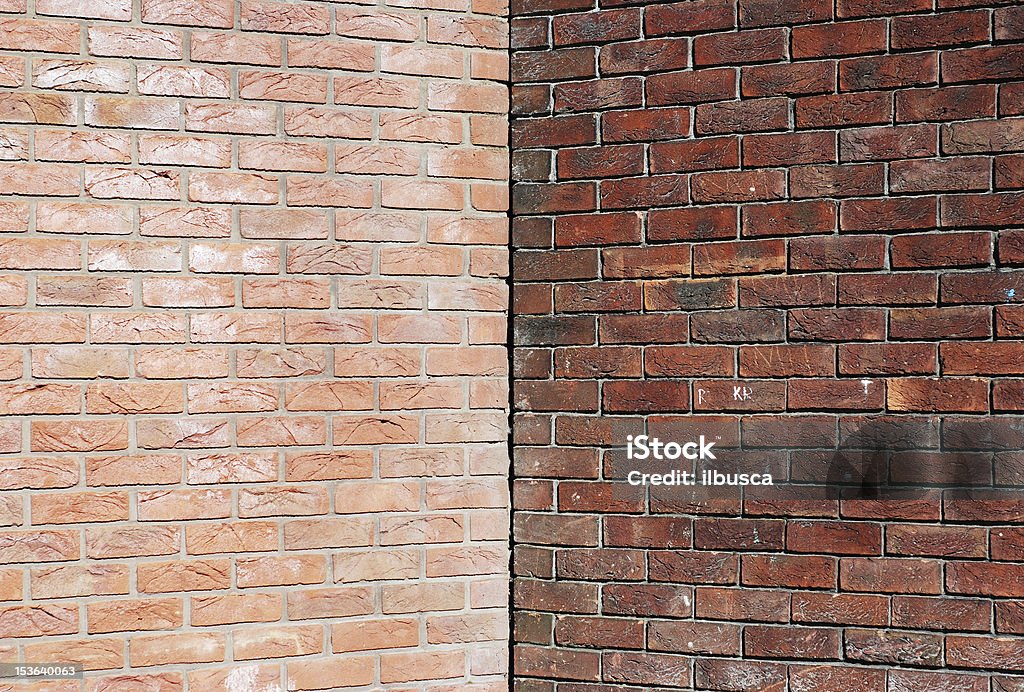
(889, 575)
(945, 103)
(789, 218)
(599, 162)
(843, 110)
(741, 47)
(959, 249)
(234, 608)
(839, 39)
(215, 13)
(745, 326)
(849, 609)
(262, 675)
(947, 29)
(420, 61)
(646, 262)
(744, 186)
(797, 642)
(565, 130)
(165, 80)
(837, 253)
(836, 324)
(1008, 22)
(278, 17)
(910, 141)
(834, 394)
(982, 64)
(650, 55)
(690, 17)
(940, 613)
(693, 87)
(117, 11)
(41, 35)
(163, 649)
(135, 42)
(375, 91)
(230, 118)
(739, 674)
(789, 571)
(222, 47)
(916, 649)
(128, 615)
(981, 136)
(80, 76)
(786, 291)
(564, 62)
(980, 652)
(702, 154)
(743, 257)
(860, 8)
(954, 175)
(37, 621)
(746, 604)
(668, 190)
(548, 198)
(827, 677)
(117, 183)
(840, 538)
(912, 213)
(159, 577)
(1009, 173)
(600, 27)
(238, 188)
(742, 116)
(799, 79)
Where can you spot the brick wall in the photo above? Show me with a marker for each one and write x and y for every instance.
(253, 401)
(812, 202)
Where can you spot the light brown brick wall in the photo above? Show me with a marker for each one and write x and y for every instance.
(253, 408)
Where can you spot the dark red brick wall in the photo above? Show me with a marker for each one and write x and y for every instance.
(796, 197)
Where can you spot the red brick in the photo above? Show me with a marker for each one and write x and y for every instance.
(599, 27)
(744, 186)
(982, 64)
(786, 291)
(847, 609)
(693, 224)
(947, 29)
(698, 86)
(906, 649)
(690, 17)
(788, 218)
(945, 103)
(837, 253)
(863, 8)
(645, 125)
(837, 181)
(839, 39)
(838, 538)
(843, 110)
(896, 214)
(702, 154)
(737, 48)
(650, 55)
(940, 175)
(754, 115)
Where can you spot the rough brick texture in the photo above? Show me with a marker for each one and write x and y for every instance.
(253, 398)
(818, 202)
